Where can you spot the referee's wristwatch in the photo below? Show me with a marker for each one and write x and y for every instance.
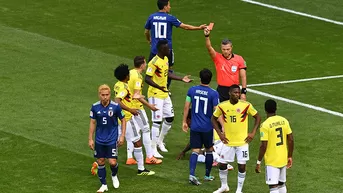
(244, 91)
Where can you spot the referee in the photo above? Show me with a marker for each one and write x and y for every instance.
(230, 68)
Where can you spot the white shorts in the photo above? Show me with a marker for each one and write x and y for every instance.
(218, 146)
(132, 131)
(275, 175)
(228, 153)
(165, 108)
(142, 120)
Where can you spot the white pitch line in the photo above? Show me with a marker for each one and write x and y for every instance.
(293, 81)
(296, 102)
(294, 12)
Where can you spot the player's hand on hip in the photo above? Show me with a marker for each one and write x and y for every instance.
(289, 163)
(134, 112)
(258, 168)
(187, 79)
(163, 88)
(250, 137)
(243, 97)
(223, 138)
(121, 140)
(185, 127)
(91, 144)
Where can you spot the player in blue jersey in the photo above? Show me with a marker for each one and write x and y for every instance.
(104, 116)
(159, 26)
(203, 100)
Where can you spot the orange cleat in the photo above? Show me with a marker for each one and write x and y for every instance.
(131, 161)
(153, 160)
(94, 169)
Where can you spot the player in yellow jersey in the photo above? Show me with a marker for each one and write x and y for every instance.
(277, 146)
(236, 139)
(135, 86)
(123, 97)
(156, 77)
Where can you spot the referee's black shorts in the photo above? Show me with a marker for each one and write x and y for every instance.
(223, 92)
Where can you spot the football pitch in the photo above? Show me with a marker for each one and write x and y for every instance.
(55, 54)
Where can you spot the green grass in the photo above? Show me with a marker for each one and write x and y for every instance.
(54, 54)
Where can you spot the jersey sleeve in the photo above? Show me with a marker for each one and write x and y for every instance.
(263, 133)
(251, 110)
(288, 128)
(189, 95)
(174, 21)
(148, 23)
(121, 93)
(92, 113)
(216, 58)
(242, 64)
(215, 98)
(119, 113)
(151, 69)
(137, 84)
(217, 112)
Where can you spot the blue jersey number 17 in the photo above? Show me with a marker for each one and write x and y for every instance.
(197, 101)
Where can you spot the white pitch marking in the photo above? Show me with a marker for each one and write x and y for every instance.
(296, 102)
(294, 12)
(293, 81)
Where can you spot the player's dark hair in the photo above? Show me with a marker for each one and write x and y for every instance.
(138, 61)
(233, 87)
(270, 106)
(205, 76)
(162, 3)
(121, 72)
(160, 44)
(226, 42)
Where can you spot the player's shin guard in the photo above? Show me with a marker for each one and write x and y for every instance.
(147, 143)
(282, 189)
(208, 163)
(155, 132)
(114, 169)
(240, 181)
(139, 157)
(223, 177)
(165, 128)
(102, 174)
(129, 149)
(193, 163)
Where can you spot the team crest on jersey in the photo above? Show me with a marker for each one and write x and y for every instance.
(238, 110)
(110, 113)
(233, 68)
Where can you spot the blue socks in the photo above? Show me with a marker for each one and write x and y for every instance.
(114, 169)
(208, 163)
(102, 174)
(193, 163)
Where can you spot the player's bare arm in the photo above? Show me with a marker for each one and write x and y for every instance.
(192, 27)
(121, 104)
(185, 115)
(263, 148)
(123, 131)
(147, 35)
(257, 122)
(150, 82)
(221, 135)
(243, 76)
(209, 47)
(92, 126)
(143, 101)
(290, 146)
(185, 79)
(182, 154)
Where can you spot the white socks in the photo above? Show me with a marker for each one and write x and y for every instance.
(137, 151)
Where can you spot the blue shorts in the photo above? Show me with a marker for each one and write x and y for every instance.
(170, 58)
(198, 139)
(106, 151)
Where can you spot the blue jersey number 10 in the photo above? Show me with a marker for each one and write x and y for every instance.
(197, 101)
(160, 29)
